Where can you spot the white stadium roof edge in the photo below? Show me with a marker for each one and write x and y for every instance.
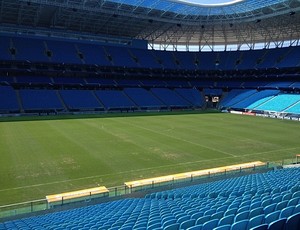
(167, 24)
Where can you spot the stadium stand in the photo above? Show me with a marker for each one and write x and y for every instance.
(93, 54)
(80, 99)
(8, 99)
(101, 81)
(114, 99)
(5, 45)
(236, 96)
(120, 56)
(191, 95)
(33, 80)
(153, 83)
(43, 100)
(246, 101)
(6, 80)
(143, 98)
(279, 103)
(145, 58)
(32, 50)
(247, 202)
(63, 52)
(265, 100)
(49, 62)
(57, 51)
(170, 98)
(147, 78)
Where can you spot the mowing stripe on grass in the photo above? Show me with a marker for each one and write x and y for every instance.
(180, 139)
(145, 169)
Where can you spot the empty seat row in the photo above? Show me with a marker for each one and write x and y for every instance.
(92, 53)
(215, 205)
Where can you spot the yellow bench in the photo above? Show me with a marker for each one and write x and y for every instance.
(76, 194)
(178, 176)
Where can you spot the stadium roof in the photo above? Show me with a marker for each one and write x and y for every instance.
(165, 22)
(203, 7)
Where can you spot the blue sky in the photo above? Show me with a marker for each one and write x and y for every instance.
(210, 2)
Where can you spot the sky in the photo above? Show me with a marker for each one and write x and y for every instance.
(210, 2)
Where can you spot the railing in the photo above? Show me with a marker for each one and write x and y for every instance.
(23, 208)
(31, 207)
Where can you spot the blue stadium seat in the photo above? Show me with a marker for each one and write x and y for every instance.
(226, 220)
(286, 212)
(8, 99)
(172, 227)
(242, 224)
(186, 224)
(260, 227)
(158, 211)
(270, 208)
(256, 212)
(211, 224)
(293, 222)
(202, 220)
(277, 224)
(242, 216)
(256, 221)
(223, 227)
(43, 99)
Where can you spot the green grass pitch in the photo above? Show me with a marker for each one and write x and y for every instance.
(43, 157)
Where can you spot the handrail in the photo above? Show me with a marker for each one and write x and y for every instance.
(28, 207)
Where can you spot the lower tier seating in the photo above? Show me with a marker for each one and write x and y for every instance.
(264, 100)
(257, 201)
(49, 99)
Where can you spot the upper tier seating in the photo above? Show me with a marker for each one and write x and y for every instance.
(32, 50)
(291, 58)
(237, 203)
(166, 59)
(5, 45)
(63, 52)
(120, 56)
(145, 58)
(228, 60)
(6, 79)
(93, 54)
(83, 52)
(186, 60)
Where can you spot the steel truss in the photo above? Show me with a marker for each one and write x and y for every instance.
(94, 19)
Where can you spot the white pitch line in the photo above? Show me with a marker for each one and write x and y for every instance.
(181, 139)
(92, 177)
(137, 170)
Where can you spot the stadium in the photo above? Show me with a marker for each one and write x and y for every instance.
(150, 114)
